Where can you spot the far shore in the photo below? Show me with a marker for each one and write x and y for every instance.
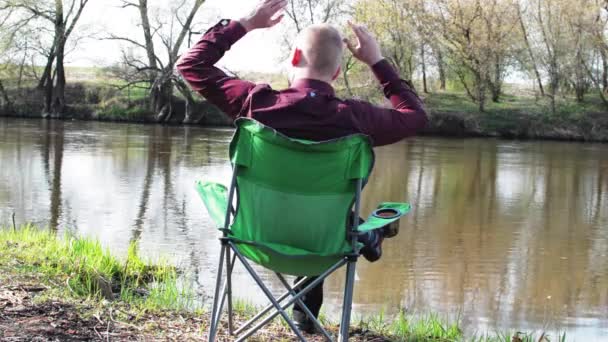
(451, 114)
(508, 125)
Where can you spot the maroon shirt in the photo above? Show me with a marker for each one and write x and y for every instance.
(309, 109)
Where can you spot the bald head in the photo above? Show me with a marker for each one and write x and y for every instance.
(322, 49)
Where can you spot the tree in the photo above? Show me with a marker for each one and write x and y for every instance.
(389, 21)
(592, 26)
(170, 31)
(63, 16)
(5, 102)
(599, 31)
(303, 13)
(533, 62)
(476, 37)
(550, 19)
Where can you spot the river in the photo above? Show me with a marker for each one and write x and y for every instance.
(503, 234)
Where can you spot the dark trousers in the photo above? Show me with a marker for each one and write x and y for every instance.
(314, 298)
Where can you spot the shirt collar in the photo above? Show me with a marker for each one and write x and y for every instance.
(316, 85)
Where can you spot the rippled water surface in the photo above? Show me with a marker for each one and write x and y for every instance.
(505, 235)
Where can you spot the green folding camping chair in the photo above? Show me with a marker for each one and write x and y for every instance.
(287, 209)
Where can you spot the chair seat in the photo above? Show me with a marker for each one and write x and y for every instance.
(286, 259)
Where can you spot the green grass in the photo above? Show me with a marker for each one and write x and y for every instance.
(406, 327)
(430, 327)
(88, 270)
(523, 116)
(519, 337)
(122, 113)
(458, 102)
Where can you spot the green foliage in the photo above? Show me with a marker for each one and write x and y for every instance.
(407, 327)
(518, 337)
(244, 307)
(121, 113)
(457, 102)
(90, 270)
(411, 328)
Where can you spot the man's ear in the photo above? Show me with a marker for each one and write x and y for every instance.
(337, 74)
(297, 57)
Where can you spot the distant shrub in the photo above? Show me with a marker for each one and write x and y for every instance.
(116, 110)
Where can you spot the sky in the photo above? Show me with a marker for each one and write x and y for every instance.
(257, 51)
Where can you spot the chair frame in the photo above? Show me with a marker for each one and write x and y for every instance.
(228, 255)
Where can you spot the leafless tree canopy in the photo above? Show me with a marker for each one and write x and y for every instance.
(153, 60)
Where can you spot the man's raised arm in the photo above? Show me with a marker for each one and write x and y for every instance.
(197, 65)
(384, 125)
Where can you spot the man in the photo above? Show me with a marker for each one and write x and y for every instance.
(309, 109)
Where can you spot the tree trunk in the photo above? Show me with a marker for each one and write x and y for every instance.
(348, 65)
(22, 68)
(161, 95)
(480, 83)
(481, 93)
(604, 56)
(579, 84)
(58, 102)
(145, 23)
(554, 76)
(59, 89)
(463, 81)
(496, 84)
(529, 48)
(189, 110)
(440, 67)
(347, 83)
(425, 88)
(48, 69)
(48, 96)
(6, 102)
(410, 66)
(553, 104)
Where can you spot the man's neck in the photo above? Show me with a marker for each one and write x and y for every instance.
(307, 74)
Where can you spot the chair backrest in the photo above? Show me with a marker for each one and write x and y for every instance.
(294, 197)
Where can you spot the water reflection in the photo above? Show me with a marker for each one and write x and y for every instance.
(506, 234)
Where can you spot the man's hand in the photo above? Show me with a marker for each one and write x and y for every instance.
(262, 15)
(367, 49)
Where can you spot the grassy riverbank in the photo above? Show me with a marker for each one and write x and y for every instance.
(518, 114)
(71, 288)
(520, 117)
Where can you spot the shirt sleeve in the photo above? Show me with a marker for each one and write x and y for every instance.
(385, 125)
(196, 66)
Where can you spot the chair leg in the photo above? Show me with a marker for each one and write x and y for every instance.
(292, 300)
(229, 266)
(304, 307)
(216, 298)
(267, 309)
(348, 301)
(270, 297)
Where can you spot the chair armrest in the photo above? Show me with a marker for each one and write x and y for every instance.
(375, 221)
(215, 198)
